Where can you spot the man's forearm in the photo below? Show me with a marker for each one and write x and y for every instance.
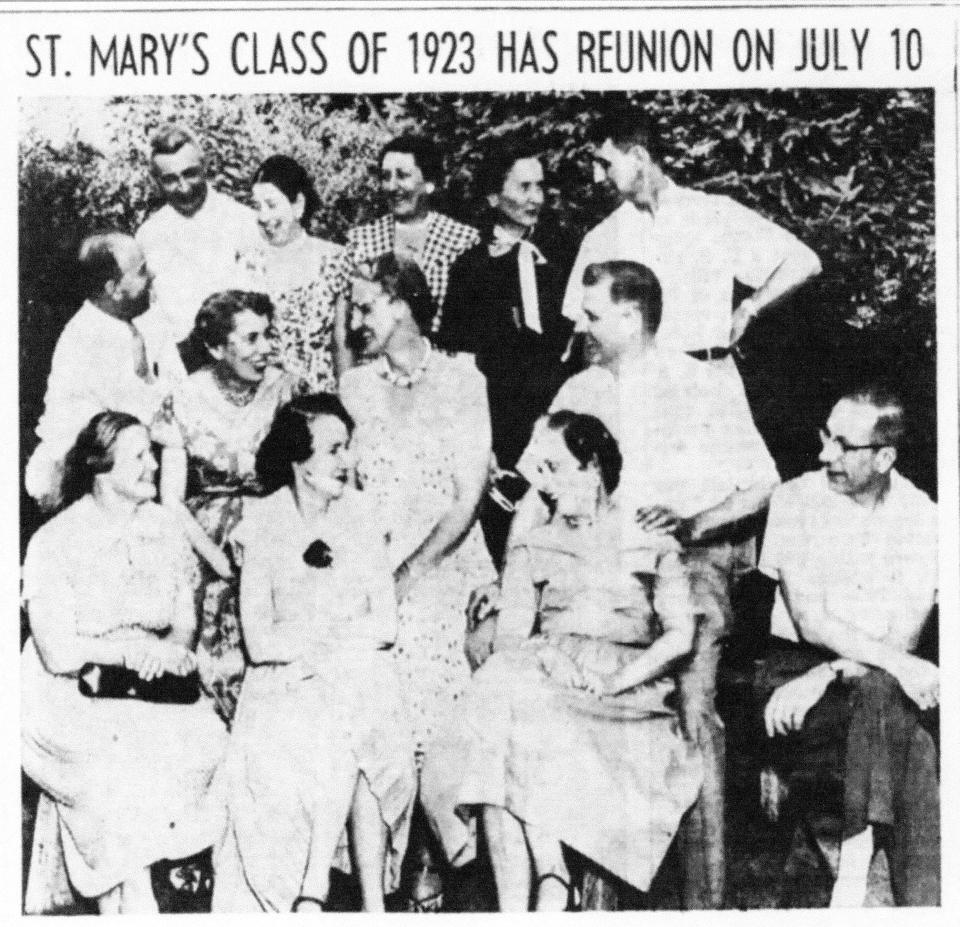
(741, 504)
(796, 268)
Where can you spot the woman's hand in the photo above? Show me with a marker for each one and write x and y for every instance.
(403, 581)
(152, 658)
(561, 668)
(597, 684)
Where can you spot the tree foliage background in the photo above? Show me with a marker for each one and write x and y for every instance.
(851, 173)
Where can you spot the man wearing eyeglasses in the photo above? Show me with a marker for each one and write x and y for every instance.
(853, 548)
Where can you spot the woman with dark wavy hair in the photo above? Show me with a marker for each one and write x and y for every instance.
(106, 584)
(301, 273)
(567, 736)
(319, 732)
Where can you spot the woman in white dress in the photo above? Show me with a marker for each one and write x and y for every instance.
(107, 588)
(320, 732)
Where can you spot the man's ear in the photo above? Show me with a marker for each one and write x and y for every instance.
(110, 287)
(641, 154)
(492, 200)
(886, 458)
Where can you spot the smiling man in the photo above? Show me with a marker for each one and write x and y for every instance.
(503, 306)
(696, 243)
(853, 547)
(191, 243)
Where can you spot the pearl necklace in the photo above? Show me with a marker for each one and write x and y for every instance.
(235, 393)
(405, 380)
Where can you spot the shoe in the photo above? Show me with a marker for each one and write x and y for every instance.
(426, 893)
(303, 904)
(573, 895)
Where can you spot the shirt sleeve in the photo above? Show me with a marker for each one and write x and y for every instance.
(783, 533)
(757, 245)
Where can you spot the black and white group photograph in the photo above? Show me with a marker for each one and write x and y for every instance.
(479, 502)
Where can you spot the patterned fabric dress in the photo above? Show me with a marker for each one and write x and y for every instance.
(221, 440)
(408, 442)
(610, 777)
(133, 781)
(303, 280)
(446, 239)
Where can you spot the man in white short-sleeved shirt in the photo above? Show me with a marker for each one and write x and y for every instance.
(102, 361)
(192, 242)
(853, 547)
(696, 243)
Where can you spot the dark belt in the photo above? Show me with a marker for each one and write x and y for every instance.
(707, 354)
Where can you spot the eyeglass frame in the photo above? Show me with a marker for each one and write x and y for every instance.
(827, 439)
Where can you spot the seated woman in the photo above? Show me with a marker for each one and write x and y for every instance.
(567, 737)
(107, 582)
(319, 732)
(211, 431)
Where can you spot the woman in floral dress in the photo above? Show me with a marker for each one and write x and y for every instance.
(221, 413)
(422, 443)
(298, 271)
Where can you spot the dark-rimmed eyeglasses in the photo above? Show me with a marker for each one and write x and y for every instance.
(845, 446)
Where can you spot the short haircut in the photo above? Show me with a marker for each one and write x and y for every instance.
(169, 139)
(292, 180)
(496, 162)
(92, 452)
(289, 440)
(626, 126)
(890, 428)
(215, 320)
(589, 441)
(630, 282)
(98, 262)
(426, 155)
(402, 279)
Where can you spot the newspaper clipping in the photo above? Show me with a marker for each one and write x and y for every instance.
(481, 459)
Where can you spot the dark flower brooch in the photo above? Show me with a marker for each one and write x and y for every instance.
(318, 555)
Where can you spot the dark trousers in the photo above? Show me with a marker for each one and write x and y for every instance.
(870, 733)
(710, 571)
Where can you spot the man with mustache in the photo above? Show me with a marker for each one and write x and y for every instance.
(853, 548)
(696, 243)
(102, 361)
(192, 242)
(503, 306)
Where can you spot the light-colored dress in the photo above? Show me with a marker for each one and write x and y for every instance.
(305, 730)
(610, 777)
(408, 443)
(221, 440)
(303, 279)
(132, 780)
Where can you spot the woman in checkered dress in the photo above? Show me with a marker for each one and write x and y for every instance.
(411, 170)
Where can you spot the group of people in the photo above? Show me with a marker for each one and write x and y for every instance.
(442, 542)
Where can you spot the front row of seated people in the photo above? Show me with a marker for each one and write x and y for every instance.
(585, 641)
